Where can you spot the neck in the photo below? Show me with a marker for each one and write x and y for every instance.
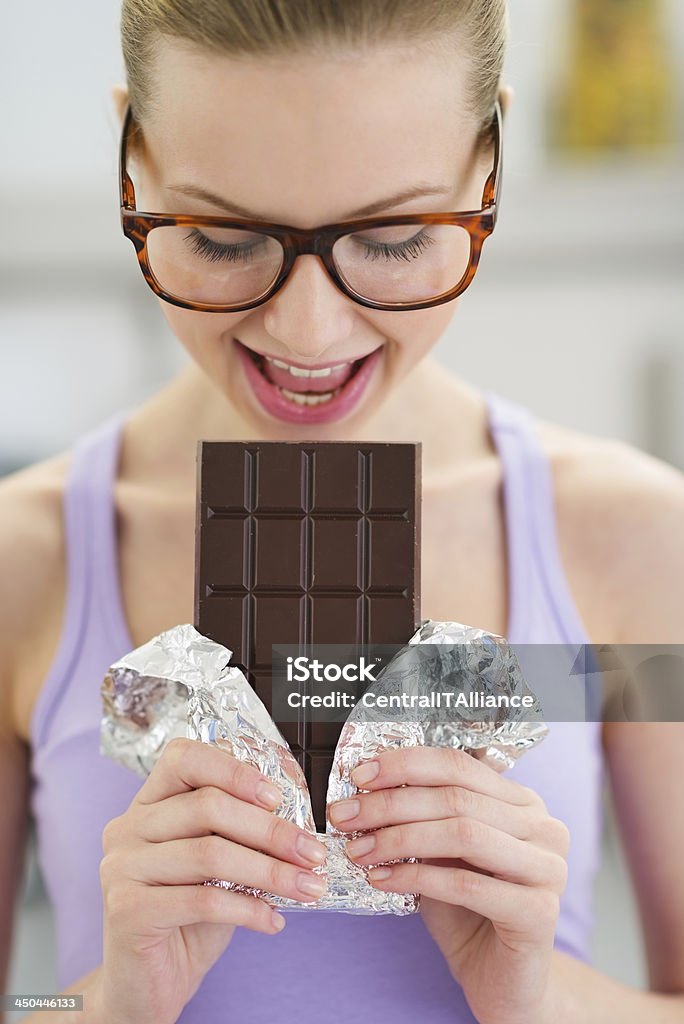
(430, 405)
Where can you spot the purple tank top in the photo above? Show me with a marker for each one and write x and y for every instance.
(384, 968)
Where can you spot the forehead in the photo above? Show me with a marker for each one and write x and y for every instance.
(313, 133)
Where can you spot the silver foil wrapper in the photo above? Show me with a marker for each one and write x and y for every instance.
(470, 660)
(180, 684)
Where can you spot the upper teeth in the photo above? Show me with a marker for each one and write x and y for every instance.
(298, 371)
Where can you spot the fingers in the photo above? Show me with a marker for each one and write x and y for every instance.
(189, 764)
(438, 766)
(187, 861)
(211, 810)
(465, 839)
(203, 814)
(520, 909)
(418, 803)
(179, 905)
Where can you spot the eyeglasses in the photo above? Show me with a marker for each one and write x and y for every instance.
(226, 264)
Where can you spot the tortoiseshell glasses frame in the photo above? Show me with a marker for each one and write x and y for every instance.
(479, 224)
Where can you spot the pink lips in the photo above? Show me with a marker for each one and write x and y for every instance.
(274, 402)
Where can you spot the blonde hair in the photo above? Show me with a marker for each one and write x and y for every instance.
(282, 27)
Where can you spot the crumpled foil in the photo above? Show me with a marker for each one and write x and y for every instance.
(180, 684)
(469, 660)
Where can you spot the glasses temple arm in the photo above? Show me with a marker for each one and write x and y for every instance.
(126, 189)
(492, 187)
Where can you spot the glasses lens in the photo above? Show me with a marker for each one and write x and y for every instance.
(403, 263)
(216, 266)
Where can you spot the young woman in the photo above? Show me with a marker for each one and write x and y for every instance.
(306, 115)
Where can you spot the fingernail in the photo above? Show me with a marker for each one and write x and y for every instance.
(358, 847)
(365, 772)
(343, 810)
(379, 874)
(310, 849)
(278, 921)
(268, 795)
(310, 884)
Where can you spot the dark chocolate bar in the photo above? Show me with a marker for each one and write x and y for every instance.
(306, 543)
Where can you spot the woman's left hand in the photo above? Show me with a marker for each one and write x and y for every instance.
(493, 867)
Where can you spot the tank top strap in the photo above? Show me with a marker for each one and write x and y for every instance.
(93, 616)
(534, 559)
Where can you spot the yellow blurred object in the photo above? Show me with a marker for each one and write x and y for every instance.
(617, 89)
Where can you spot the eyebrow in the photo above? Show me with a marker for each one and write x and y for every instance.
(413, 192)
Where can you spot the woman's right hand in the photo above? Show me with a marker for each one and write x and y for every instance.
(200, 814)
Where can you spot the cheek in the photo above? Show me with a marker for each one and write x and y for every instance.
(417, 331)
(202, 335)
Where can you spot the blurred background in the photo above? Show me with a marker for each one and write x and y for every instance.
(579, 291)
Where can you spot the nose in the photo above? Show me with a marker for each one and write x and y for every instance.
(309, 314)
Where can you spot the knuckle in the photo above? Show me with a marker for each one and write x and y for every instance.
(385, 798)
(464, 832)
(260, 913)
(118, 902)
(553, 833)
(538, 828)
(240, 775)
(404, 759)
(278, 877)
(459, 801)
(207, 804)
(462, 764)
(177, 755)
(236, 771)
(110, 834)
(411, 875)
(110, 870)
(209, 901)
(209, 852)
(560, 874)
(250, 912)
(260, 916)
(465, 884)
(393, 841)
(256, 914)
(275, 832)
(561, 835)
(177, 749)
(532, 798)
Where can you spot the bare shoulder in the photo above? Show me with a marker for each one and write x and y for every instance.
(620, 516)
(33, 563)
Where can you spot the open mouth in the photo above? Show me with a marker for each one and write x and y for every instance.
(306, 394)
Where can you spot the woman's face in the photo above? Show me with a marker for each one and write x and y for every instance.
(306, 142)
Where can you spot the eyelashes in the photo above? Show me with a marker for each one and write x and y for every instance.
(217, 252)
